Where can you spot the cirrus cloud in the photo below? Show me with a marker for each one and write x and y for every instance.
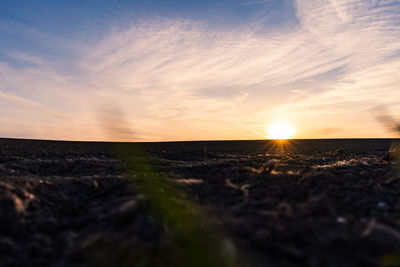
(182, 79)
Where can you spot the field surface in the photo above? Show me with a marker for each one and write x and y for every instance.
(297, 203)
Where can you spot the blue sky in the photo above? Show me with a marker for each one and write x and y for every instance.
(190, 70)
(81, 20)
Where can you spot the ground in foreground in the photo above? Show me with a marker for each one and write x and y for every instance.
(303, 203)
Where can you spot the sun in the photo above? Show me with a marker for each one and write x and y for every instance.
(280, 130)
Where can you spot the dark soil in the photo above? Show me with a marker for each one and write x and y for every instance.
(307, 203)
(60, 202)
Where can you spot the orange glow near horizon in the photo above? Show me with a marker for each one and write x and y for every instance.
(280, 131)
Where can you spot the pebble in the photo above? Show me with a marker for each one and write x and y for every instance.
(338, 152)
(21, 193)
(382, 206)
(270, 165)
(10, 207)
(129, 206)
(124, 214)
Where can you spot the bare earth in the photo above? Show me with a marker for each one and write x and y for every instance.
(306, 203)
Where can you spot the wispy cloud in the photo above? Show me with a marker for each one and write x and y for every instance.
(366, 34)
(182, 79)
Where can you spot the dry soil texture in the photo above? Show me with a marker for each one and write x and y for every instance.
(298, 203)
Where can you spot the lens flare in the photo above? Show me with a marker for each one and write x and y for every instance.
(280, 130)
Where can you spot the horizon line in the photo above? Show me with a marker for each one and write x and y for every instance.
(215, 140)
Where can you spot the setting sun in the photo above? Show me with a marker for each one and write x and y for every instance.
(280, 130)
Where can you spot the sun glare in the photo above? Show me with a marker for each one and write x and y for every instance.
(280, 130)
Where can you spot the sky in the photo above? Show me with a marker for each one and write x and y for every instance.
(168, 70)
